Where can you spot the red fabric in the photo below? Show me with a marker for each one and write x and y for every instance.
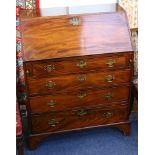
(19, 54)
(18, 122)
(21, 80)
(21, 90)
(37, 4)
(18, 27)
(18, 39)
(17, 10)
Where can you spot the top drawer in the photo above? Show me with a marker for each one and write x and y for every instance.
(76, 65)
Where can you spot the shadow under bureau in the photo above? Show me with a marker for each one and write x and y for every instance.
(78, 71)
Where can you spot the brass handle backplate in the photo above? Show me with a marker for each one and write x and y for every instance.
(75, 21)
(82, 112)
(110, 78)
(53, 122)
(82, 78)
(107, 114)
(110, 63)
(51, 103)
(82, 95)
(50, 84)
(49, 68)
(82, 64)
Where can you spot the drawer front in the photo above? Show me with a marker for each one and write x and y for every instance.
(78, 65)
(78, 82)
(78, 119)
(58, 102)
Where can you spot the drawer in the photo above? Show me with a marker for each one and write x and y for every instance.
(78, 65)
(70, 83)
(80, 118)
(58, 102)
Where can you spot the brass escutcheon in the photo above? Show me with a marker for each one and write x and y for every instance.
(107, 114)
(82, 78)
(81, 95)
(82, 112)
(53, 122)
(75, 21)
(51, 103)
(108, 96)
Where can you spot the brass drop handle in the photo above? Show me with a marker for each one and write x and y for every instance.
(82, 78)
(110, 78)
(81, 64)
(75, 21)
(50, 84)
(110, 62)
(82, 112)
(53, 122)
(49, 68)
(51, 103)
(82, 95)
(108, 96)
(107, 114)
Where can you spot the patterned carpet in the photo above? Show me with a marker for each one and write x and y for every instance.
(100, 141)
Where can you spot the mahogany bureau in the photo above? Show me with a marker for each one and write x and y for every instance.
(78, 71)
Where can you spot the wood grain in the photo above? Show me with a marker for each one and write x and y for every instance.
(59, 102)
(71, 119)
(77, 76)
(70, 83)
(57, 67)
(54, 37)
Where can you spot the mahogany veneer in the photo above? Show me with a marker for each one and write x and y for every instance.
(77, 82)
(78, 72)
(54, 102)
(79, 118)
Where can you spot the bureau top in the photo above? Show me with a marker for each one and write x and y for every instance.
(47, 37)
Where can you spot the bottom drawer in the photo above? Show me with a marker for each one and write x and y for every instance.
(80, 118)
